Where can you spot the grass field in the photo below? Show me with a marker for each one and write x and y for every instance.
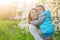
(9, 30)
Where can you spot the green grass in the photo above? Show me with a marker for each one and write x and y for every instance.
(9, 30)
(57, 36)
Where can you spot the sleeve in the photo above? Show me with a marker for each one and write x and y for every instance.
(34, 22)
(41, 16)
(39, 21)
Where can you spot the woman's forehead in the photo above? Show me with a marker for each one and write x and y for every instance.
(34, 11)
(39, 8)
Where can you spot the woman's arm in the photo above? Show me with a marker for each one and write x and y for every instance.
(39, 21)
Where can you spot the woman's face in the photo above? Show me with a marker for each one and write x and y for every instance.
(40, 9)
(34, 14)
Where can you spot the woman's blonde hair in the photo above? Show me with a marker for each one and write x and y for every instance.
(29, 18)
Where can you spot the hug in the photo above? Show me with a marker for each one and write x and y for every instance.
(40, 24)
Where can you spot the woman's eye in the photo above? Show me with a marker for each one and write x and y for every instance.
(40, 9)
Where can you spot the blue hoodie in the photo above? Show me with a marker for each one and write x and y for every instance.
(46, 26)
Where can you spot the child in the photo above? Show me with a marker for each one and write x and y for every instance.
(46, 26)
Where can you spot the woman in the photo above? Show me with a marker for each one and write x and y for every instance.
(35, 31)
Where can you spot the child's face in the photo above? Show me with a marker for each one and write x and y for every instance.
(40, 9)
(34, 14)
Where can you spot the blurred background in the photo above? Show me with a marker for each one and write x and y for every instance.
(13, 18)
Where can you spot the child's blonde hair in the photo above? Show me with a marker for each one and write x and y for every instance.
(29, 18)
(41, 6)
